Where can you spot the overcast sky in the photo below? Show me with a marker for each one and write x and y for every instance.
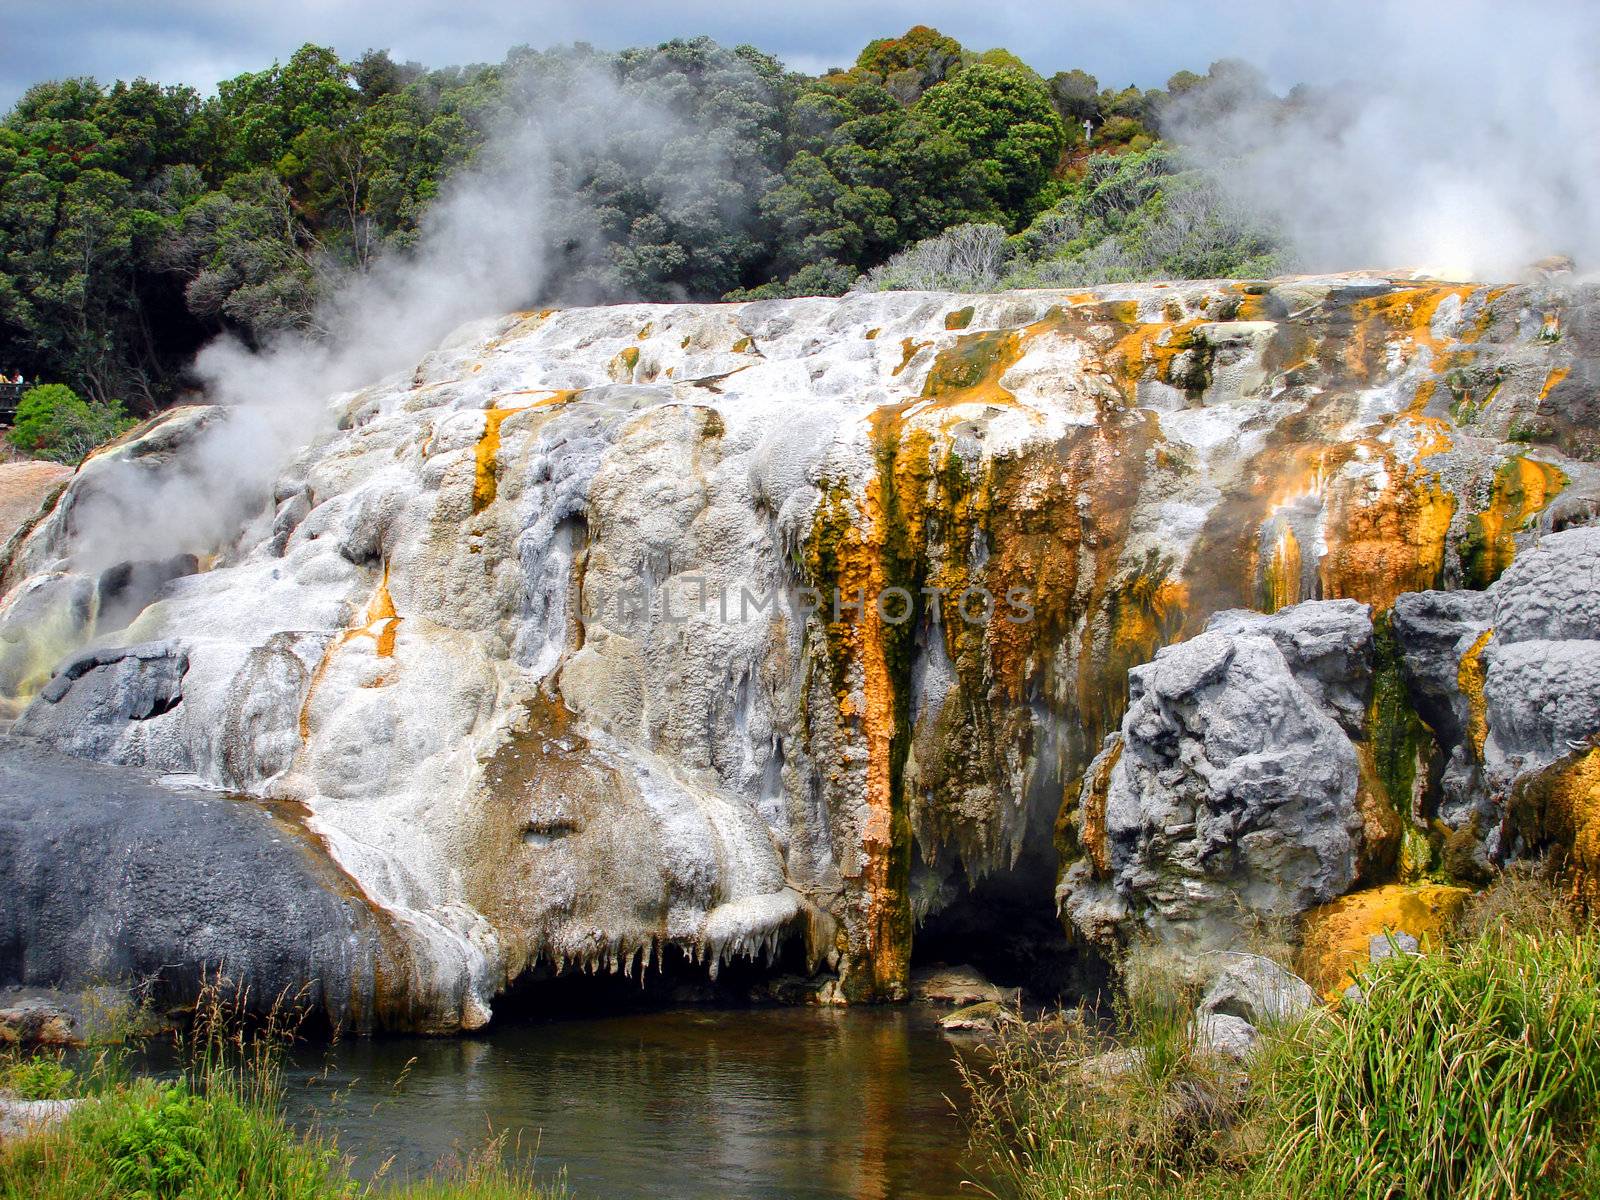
(201, 41)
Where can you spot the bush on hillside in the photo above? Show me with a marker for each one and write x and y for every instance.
(1130, 217)
(54, 422)
(967, 258)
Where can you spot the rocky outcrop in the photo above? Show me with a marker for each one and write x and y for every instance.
(609, 634)
(108, 879)
(1229, 797)
(1510, 683)
(1231, 793)
(24, 488)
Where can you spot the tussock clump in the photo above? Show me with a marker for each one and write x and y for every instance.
(1526, 898)
(1064, 1108)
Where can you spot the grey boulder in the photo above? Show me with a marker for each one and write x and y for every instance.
(1224, 1035)
(1253, 988)
(1230, 794)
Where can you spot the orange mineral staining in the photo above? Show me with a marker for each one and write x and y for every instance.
(1388, 544)
(847, 552)
(1093, 825)
(1470, 675)
(970, 370)
(379, 622)
(1282, 578)
(623, 364)
(1336, 937)
(908, 351)
(1560, 807)
(485, 482)
(1553, 381)
(1521, 490)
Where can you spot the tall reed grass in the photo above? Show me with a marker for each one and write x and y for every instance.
(1469, 1074)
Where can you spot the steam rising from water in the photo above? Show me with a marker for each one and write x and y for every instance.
(1463, 143)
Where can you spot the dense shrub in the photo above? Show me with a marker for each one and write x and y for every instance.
(38, 1078)
(54, 422)
(1129, 217)
(968, 258)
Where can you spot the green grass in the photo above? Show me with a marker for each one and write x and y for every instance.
(1469, 1074)
(42, 1077)
(1474, 1074)
(216, 1133)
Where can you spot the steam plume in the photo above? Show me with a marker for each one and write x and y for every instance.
(1461, 142)
(486, 246)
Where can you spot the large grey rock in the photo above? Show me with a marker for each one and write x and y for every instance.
(1542, 699)
(1233, 795)
(1551, 593)
(1433, 630)
(107, 880)
(1253, 988)
(1225, 1035)
(98, 694)
(1528, 652)
(1327, 646)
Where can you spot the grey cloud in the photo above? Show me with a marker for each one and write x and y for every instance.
(199, 43)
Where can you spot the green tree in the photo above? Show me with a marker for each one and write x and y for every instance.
(1005, 119)
(911, 63)
(1076, 95)
(265, 111)
(865, 177)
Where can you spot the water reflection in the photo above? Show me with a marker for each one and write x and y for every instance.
(802, 1104)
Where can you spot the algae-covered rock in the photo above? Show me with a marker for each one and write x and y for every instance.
(1337, 938)
(983, 1017)
(1509, 680)
(960, 986)
(45, 1017)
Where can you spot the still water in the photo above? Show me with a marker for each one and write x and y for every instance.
(790, 1103)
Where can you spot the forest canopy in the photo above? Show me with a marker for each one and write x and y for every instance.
(138, 220)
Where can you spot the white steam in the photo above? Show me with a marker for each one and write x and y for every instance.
(1460, 142)
(488, 245)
